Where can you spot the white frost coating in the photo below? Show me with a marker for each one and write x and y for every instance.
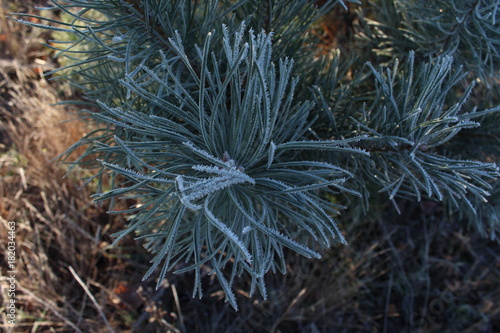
(272, 150)
(189, 191)
(229, 233)
(187, 203)
(232, 173)
(204, 154)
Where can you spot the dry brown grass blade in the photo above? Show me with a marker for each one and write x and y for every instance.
(92, 298)
(49, 306)
(289, 308)
(178, 307)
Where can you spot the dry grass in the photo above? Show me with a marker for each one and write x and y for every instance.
(408, 273)
(55, 225)
(67, 273)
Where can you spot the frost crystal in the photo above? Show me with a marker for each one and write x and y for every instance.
(190, 191)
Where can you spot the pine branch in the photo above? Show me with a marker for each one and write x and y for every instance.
(230, 158)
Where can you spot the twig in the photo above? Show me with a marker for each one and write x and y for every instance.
(92, 298)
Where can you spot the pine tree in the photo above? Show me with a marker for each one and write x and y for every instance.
(237, 135)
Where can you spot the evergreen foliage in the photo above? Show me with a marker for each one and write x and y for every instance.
(236, 137)
(467, 30)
